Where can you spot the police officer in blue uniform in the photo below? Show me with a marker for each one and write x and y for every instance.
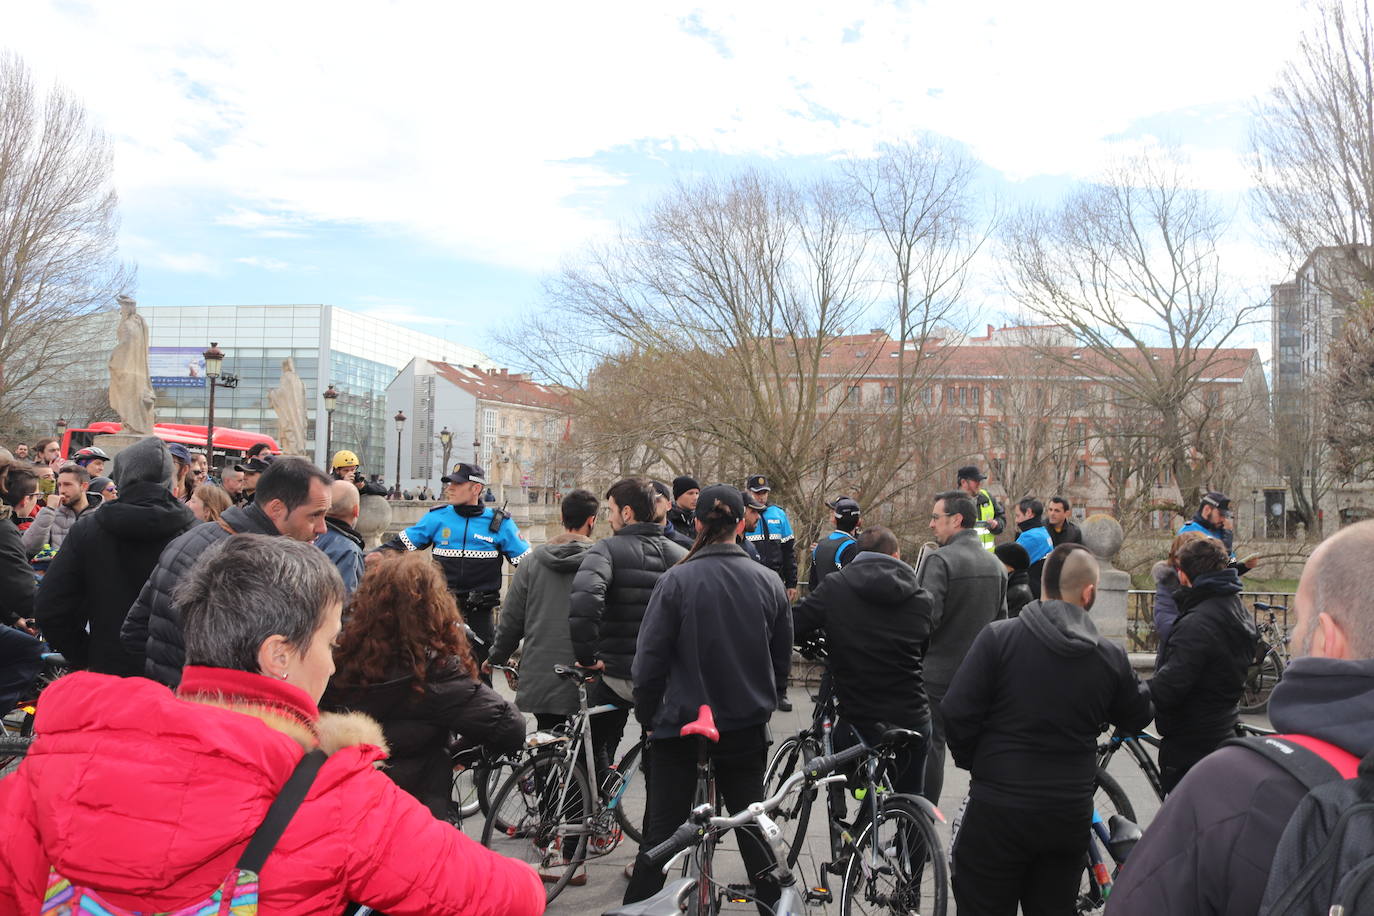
(776, 545)
(839, 546)
(469, 540)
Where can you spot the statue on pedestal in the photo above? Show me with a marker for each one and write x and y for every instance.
(131, 390)
(288, 403)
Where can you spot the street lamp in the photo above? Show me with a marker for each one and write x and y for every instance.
(61, 433)
(400, 425)
(330, 398)
(446, 441)
(214, 360)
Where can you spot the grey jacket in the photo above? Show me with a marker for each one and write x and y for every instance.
(535, 609)
(50, 526)
(969, 590)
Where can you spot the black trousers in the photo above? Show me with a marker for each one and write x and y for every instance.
(910, 764)
(478, 615)
(739, 759)
(21, 659)
(935, 754)
(1031, 856)
(607, 727)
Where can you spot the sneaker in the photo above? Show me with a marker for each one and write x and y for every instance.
(784, 704)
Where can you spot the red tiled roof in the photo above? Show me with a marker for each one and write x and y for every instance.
(503, 387)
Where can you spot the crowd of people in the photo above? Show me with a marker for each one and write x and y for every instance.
(255, 601)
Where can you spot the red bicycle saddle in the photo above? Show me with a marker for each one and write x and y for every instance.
(705, 725)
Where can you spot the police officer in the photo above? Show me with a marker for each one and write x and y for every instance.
(469, 540)
(776, 545)
(992, 519)
(839, 546)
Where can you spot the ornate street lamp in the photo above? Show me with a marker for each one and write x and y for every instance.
(446, 442)
(214, 361)
(400, 425)
(61, 434)
(330, 398)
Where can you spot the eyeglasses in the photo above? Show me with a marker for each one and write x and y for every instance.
(110, 489)
(936, 516)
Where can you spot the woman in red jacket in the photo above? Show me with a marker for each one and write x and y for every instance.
(149, 798)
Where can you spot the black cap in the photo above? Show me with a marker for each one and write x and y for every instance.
(719, 494)
(683, 484)
(970, 472)
(661, 489)
(255, 465)
(1013, 555)
(844, 507)
(751, 501)
(466, 473)
(758, 483)
(1218, 501)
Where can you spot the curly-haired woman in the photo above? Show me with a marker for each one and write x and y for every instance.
(404, 660)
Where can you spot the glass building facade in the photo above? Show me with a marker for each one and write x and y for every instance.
(358, 354)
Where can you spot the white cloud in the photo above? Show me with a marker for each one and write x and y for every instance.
(271, 264)
(469, 125)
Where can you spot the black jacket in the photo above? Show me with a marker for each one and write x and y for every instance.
(1204, 661)
(611, 591)
(16, 575)
(683, 522)
(1069, 534)
(717, 632)
(1018, 591)
(152, 631)
(418, 726)
(1209, 850)
(102, 566)
(1024, 712)
(677, 537)
(877, 619)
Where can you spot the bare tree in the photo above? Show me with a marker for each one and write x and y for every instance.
(1349, 395)
(57, 232)
(1130, 267)
(1314, 145)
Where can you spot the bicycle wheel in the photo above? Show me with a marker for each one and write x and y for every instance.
(1260, 682)
(792, 816)
(627, 793)
(898, 866)
(12, 751)
(1108, 798)
(527, 821)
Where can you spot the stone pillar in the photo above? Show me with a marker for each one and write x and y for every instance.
(114, 443)
(1103, 536)
(374, 517)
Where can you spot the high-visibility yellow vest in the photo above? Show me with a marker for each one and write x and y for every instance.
(985, 514)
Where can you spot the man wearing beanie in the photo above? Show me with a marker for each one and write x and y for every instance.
(680, 516)
(106, 558)
(1016, 561)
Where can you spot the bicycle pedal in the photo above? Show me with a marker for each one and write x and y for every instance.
(739, 893)
(819, 895)
(834, 868)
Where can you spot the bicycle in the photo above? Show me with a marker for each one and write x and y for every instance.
(695, 892)
(1271, 658)
(19, 720)
(1111, 837)
(13, 749)
(545, 812)
(477, 772)
(1136, 745)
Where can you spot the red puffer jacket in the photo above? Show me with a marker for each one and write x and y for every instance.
(150, 798)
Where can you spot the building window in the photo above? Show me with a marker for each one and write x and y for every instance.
(889, 394)
(489, 422)
(997, 397)
(855, 396)
(1080, 471)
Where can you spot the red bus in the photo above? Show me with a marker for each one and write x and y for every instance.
(230, 444)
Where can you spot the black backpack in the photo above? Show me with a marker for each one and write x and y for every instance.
(1324, 863)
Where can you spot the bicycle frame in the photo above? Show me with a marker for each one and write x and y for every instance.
(1133, 744)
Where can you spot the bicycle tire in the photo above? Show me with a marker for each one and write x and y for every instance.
(913, 830)
(631, 800)
(1108, 798)
(1260, 681)
(534, 833)
(793, 815)
(13, 749)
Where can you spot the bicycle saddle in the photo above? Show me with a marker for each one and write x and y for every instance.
(574, 673)
(900, 737)
(705, 725)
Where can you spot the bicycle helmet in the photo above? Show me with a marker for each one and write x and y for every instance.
(86, 455)
(344, 459)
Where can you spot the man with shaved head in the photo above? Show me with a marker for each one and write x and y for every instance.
(340, 541)
(1023, 714)
(1211, 847)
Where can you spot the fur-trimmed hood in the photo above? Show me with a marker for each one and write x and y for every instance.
(333, 731)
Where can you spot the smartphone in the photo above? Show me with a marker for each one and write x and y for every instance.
(47, 486)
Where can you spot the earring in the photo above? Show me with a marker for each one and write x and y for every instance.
(284, 675)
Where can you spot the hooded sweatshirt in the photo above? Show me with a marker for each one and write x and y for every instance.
(1024, 710)
(876, 619)
(105, 560)
(535, 611)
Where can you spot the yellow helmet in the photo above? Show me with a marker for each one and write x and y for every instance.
(344, 459)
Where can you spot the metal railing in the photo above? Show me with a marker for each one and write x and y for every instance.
(1140, 616)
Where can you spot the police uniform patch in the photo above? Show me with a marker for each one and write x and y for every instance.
(447, 533)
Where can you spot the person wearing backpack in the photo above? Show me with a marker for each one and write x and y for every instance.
(1212, 847)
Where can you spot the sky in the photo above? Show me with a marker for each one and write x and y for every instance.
(432, 163)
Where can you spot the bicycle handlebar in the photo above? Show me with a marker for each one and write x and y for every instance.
(817, 767)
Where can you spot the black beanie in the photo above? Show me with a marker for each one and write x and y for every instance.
(147, 459)
(683, 484)
(1013, 555)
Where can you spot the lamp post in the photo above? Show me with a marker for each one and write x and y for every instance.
(214, 360)
(446, 441)
(330, 398)
(61, 434)
(400, 425)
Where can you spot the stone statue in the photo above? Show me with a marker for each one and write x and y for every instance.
(288, 403)
(131, 391)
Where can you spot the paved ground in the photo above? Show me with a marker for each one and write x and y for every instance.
(606, 882)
